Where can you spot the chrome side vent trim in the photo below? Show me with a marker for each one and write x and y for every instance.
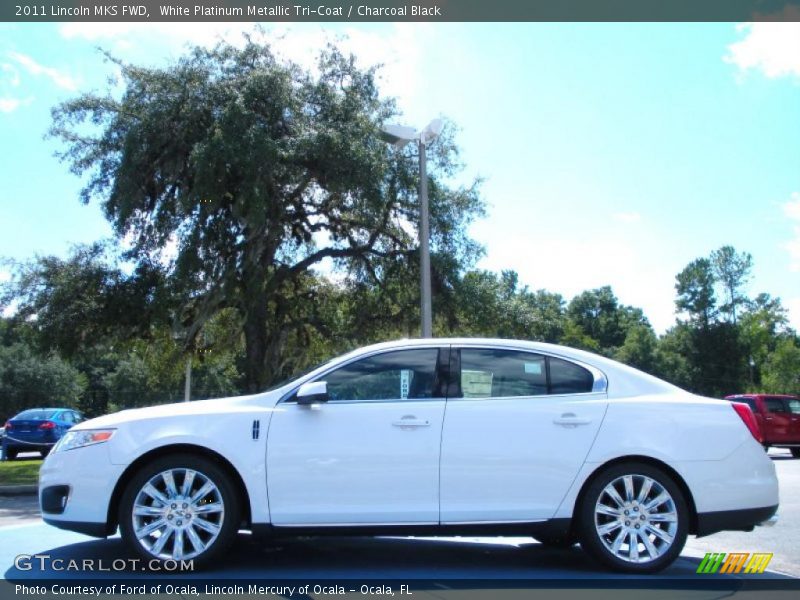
(256, 429)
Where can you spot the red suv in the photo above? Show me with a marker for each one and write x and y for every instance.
(778, 416)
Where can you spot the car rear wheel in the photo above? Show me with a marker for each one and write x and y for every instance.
(633, 518)
(9, 455)
(796, 452)
(181, 507)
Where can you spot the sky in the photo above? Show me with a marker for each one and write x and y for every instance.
(612, 154)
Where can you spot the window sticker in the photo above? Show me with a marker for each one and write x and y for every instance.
(476, 384)
(405, 383)
(533, 368)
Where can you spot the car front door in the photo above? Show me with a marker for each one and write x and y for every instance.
(367, 455)
(516, 435)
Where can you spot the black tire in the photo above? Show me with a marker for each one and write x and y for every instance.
(556, 541)
(795, 452)
(10, 454)
(224, 495)
(44, 452)
(597, 544)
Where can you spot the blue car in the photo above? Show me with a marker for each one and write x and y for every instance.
(37, 430)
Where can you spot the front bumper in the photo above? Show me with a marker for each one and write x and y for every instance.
(736, 520)
(89, 477)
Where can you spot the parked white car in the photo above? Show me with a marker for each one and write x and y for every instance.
(424, 437)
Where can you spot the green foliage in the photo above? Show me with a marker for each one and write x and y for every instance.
(79, 302)
(782, 368)
(640, 349)
(695, 288)
(28, 380)
(596, 315)
(732, 272)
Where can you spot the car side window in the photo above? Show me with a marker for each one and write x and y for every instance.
(399, 375)
(495, 373)
(775, 405)
(794, 406)
(569, 378)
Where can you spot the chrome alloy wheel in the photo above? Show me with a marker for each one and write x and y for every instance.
(178, 514)
(636, 518)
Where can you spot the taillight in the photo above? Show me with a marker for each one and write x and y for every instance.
(8, 426)
(47, 425)
(746, 414)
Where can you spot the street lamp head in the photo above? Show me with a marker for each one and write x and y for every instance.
(432, 131)
(398, 135)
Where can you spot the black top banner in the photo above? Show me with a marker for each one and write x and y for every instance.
(399, 10)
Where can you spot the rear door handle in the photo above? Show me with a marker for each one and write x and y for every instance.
(410, 421)
(570, 420)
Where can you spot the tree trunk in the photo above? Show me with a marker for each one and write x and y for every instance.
(255, 328)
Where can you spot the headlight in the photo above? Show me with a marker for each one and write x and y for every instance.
(84, 437)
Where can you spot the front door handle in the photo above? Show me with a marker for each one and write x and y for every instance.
(410, 421)
(570, 420)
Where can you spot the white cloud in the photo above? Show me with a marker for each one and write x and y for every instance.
(772, 48)
(793, 306)
(12, 77)
(62, 80)
(628, 217)
(570, 267)
(792, 211)
(8, 105)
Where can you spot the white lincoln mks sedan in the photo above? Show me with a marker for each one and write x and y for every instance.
(424, 437)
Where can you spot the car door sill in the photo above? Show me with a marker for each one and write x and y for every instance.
(505, 528)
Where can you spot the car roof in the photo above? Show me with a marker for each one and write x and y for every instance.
(734, 396)
(43, 409)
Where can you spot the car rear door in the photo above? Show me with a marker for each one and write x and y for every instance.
(368, 455)
(778, 419)
(794, 416)
(516, 434)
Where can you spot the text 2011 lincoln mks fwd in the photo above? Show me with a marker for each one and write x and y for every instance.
(424, 437)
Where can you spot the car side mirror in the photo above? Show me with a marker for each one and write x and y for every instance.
(312, 392)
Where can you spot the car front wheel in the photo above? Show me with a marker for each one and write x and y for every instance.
(633, 518)
(181, 507)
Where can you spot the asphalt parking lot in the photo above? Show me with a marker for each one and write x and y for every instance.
(494, 559)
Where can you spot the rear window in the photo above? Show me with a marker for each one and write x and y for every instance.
(36, 415)
(751, 402)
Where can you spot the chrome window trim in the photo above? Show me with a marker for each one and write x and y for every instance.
(599, 385)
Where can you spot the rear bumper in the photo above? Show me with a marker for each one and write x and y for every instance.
(735, 520)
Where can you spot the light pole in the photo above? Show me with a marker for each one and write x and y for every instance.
(399, 136)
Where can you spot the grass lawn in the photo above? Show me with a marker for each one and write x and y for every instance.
(19, 472)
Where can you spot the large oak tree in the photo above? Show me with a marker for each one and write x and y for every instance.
(240, 171)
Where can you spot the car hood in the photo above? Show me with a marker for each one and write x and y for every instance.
(195, 408)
